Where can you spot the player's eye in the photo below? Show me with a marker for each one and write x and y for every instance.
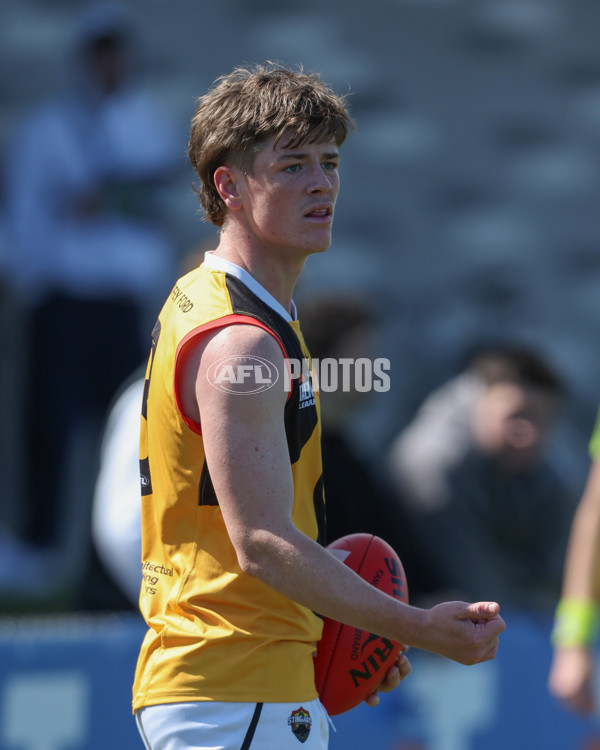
(330, 165)
(293, 168)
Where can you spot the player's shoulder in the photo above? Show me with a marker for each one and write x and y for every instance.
(241, 358)
(242, 340)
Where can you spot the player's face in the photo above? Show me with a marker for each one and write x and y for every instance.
(290, 195)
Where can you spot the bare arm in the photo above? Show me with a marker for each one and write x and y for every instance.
(572, 671)
(246, 451)
(583, 551)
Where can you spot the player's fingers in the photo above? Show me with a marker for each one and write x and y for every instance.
(395, 674)
(390, 681)
(404, 666)
(483, 610)
(372, 700)
(491, 651)
(393, 678)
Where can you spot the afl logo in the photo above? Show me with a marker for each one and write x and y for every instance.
(243, 375)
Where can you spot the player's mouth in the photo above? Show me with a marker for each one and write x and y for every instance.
(319, 212)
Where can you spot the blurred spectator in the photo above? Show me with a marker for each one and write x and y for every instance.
(489, 513)
(575, 633)
(343, 327)
(17, 561)
(88, 257)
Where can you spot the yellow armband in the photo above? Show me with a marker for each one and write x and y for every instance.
(575, 622)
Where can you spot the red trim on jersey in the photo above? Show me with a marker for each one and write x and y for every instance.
(227, 320)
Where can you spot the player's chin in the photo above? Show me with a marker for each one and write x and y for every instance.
(320, 247)
(320, 239)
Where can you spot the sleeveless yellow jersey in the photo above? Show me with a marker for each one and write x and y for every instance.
(216, 633)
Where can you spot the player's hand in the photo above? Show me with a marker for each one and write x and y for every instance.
(571, 679)
(466, 633)
(393, 678)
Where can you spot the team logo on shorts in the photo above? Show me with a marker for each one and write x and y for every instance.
(300, 723)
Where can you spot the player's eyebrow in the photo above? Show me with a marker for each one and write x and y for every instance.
(297, 156)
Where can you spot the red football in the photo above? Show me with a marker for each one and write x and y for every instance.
(350, 663)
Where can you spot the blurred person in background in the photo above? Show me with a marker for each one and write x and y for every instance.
(88, 256)
(342, 327)
(487, 509)
(575, 632)
(358, 495)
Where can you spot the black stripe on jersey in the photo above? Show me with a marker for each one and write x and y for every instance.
(252, 728)
(206, 491)
(245, 302)
(299, 423)
(155, 336)
(320, 510)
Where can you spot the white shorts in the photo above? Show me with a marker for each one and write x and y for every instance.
(205, 725)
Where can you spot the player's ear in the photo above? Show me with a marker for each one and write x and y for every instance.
(226, 182)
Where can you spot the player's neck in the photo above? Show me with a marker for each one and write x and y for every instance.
(276, 271)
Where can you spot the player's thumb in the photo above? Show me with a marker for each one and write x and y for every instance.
(483, 610)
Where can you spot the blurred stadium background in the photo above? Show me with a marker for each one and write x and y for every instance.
(469, 210)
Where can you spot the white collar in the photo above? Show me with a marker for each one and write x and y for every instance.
(222, 264)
